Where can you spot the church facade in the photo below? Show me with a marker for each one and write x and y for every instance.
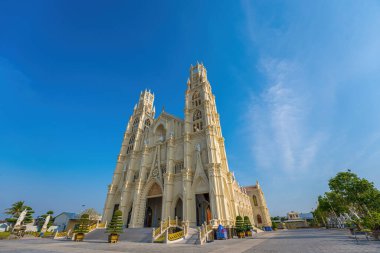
(173, 167)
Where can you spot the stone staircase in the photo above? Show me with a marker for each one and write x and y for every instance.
(129, 235)
(192, 236)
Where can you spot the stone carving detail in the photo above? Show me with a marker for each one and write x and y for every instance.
(178, 167)
(155, 190)
(163, 168)
(155, 172)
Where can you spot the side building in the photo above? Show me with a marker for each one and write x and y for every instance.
(261, 214)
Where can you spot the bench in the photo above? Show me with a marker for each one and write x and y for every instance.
(357, 233)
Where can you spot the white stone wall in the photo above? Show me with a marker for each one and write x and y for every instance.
(185, 158)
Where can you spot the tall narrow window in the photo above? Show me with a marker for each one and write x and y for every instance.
(135, 125)
(197, 121)
(132, 139)
(255, 200)
(196, 99)
(259, 220)
(146, 124)
(197, 115)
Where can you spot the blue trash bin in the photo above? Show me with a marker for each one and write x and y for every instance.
(221, 233)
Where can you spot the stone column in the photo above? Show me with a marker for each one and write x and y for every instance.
(213, 191)
(187, 197)
(107, 212)
(169, 179)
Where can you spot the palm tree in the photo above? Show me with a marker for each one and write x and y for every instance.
(16, 209)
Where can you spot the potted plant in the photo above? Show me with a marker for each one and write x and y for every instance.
(82, 228)
(239, 224)
(247, 226)
(274, 225)
(115, 228)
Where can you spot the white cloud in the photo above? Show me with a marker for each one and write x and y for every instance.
(279, 130)
(315, 111)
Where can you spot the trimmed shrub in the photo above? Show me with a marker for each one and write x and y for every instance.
(116, 224)
(83, 225)
(239, 224)
(247, 224)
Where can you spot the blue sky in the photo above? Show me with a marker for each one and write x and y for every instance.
(297, 85)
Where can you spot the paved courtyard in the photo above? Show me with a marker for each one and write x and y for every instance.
(292, 241)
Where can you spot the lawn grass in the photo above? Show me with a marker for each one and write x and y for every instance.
(4, 235)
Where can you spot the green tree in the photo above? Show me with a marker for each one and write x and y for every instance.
(41, 219)
(356, 191)
(349, 192)
(116, 224)
(15, 211)
(28, 217)
(247, 223)
(274, 225)
(83, 226)
(372, 220)
(239, 224)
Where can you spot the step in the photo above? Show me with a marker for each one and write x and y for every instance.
(129, 235)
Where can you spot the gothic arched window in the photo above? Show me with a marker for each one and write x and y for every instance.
(146, 124)
(259, 220)
(197, 121)
(197, 115)
(132, 139)
(135, 125)
(255, 200)
(196, 99)
(130, 148)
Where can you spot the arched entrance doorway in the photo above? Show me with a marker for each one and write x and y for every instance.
(153, 210)
(178, 210)
(203, 211)
(129, 216)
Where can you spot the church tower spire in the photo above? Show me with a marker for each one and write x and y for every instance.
(134, 137)
(202, 129)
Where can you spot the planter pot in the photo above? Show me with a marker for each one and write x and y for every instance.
(248, 233)
(113, 238)
(79, 237)
(240, 234)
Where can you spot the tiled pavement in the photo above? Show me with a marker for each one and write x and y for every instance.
(291, 241)
(315, 241)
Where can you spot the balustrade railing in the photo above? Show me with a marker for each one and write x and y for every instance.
(62, 234)
(176, 236)
(68, 234)
(204, 231)
(163, 230)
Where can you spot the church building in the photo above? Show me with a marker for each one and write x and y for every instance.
(173, 167)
